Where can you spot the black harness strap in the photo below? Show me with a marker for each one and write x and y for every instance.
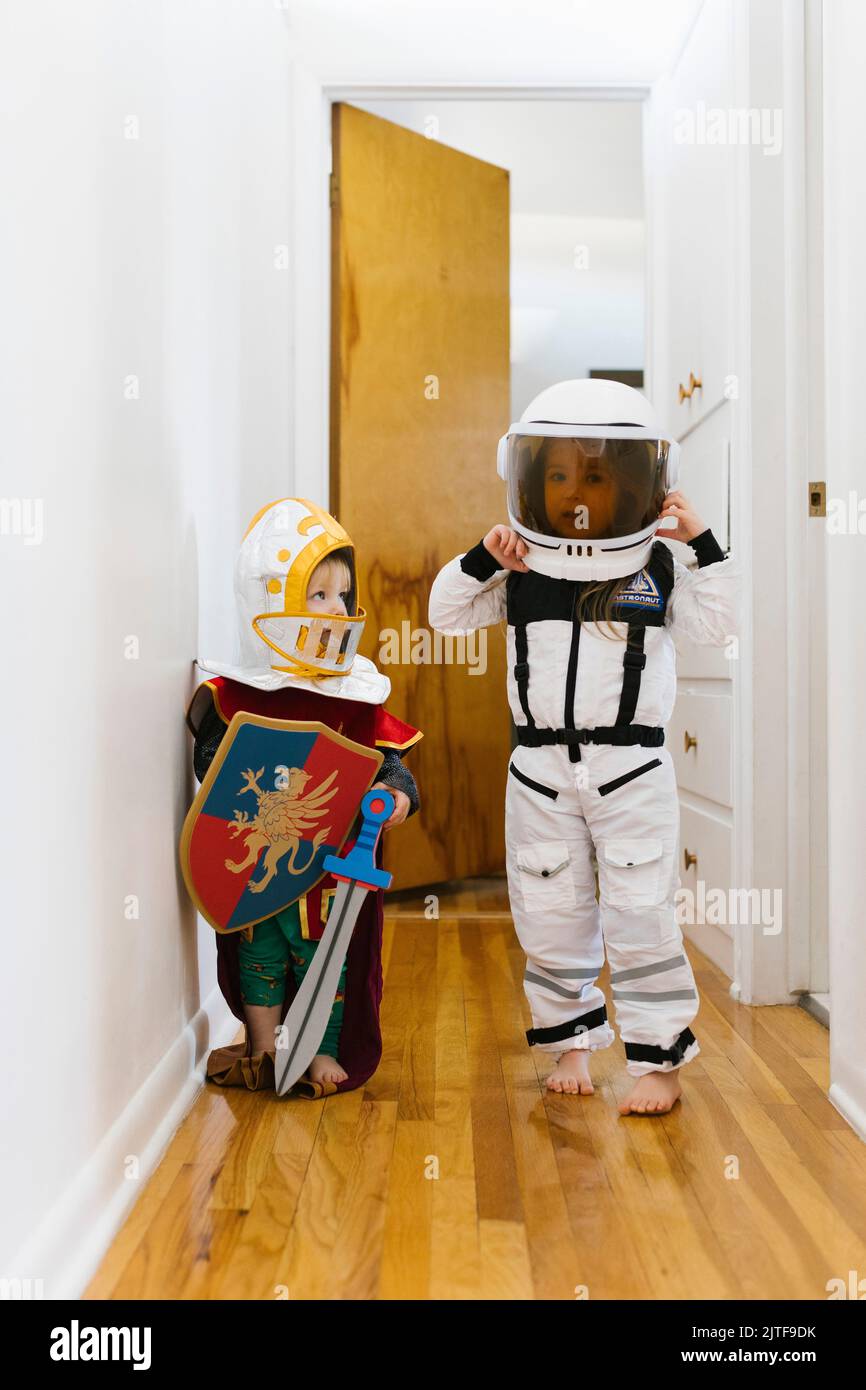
(643, 1052)
(561, 1031)
(571, 680)
(521, 671)
(633, 663)
(661, 573)
(625, 736)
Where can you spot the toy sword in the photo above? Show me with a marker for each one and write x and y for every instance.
(300, 1034)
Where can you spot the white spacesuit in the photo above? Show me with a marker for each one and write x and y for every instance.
(590, 783)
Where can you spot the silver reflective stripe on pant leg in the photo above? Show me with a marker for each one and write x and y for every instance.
(655, 1004)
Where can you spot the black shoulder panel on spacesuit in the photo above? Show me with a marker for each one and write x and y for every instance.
(662, 557)
(533, 597)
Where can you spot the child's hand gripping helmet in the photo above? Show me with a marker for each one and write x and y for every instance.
(587, 467)
(283, 544)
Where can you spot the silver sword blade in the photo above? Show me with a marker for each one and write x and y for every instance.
(304, 1025)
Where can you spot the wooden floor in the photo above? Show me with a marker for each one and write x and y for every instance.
(454, 1175)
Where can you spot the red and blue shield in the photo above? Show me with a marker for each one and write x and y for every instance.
(278, 797)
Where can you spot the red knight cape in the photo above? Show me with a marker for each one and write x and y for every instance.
(360, 1036)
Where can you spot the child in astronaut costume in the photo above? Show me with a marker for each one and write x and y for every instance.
(592, 601)
(295, 565)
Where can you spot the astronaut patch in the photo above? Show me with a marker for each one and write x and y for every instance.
(642, 592)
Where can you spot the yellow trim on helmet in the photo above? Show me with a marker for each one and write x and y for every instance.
(333, 537)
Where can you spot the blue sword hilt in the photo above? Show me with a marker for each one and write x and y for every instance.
(359, 865)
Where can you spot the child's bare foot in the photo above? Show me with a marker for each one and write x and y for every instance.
(653, 1094)
(325, 1068)
(571, 1073)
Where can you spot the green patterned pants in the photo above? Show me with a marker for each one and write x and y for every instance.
(264, 963)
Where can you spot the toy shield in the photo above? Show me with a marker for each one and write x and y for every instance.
(278, 797)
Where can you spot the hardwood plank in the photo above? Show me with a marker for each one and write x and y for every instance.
(455, 1257)
(674, 1205)
(395, 1014)
(771, 1215)
(406, 1242)
(506, 1271)
(794, 1029)
(212, 1253)
(819, 1070)
(717, 1038)
(248, 1157)
(357, 1251)
(253, 1267)
(417, 1082)
(133, 1231)
(496, 1177)
(748, 1023)
(840, 1172)
(307, 1256)
(180, 1229)
(704, 1138)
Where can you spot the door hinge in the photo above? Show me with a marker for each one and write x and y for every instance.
(333, 189)
(817, 499)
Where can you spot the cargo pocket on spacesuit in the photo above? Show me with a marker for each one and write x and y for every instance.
(631, 873)
(545, 876)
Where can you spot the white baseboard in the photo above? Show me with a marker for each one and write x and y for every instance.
(849, 1109)
(75, 1234)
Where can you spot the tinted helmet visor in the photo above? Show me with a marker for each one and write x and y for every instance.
(586, 489)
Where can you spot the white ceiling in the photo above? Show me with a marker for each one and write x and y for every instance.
(514, 43)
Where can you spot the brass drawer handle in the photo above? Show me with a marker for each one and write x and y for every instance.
(695, 384)
(689, 741)
(689, 859)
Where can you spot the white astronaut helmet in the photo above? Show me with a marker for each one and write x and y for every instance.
(283, 545)
(587, 466)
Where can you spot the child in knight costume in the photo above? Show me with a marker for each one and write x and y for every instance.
(593, 602)
(300, 624)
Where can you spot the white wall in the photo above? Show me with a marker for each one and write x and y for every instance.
(845, 313)
(405, 43)
(151, 257)
(577, 229)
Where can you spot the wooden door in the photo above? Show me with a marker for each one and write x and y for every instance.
(419, 398)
